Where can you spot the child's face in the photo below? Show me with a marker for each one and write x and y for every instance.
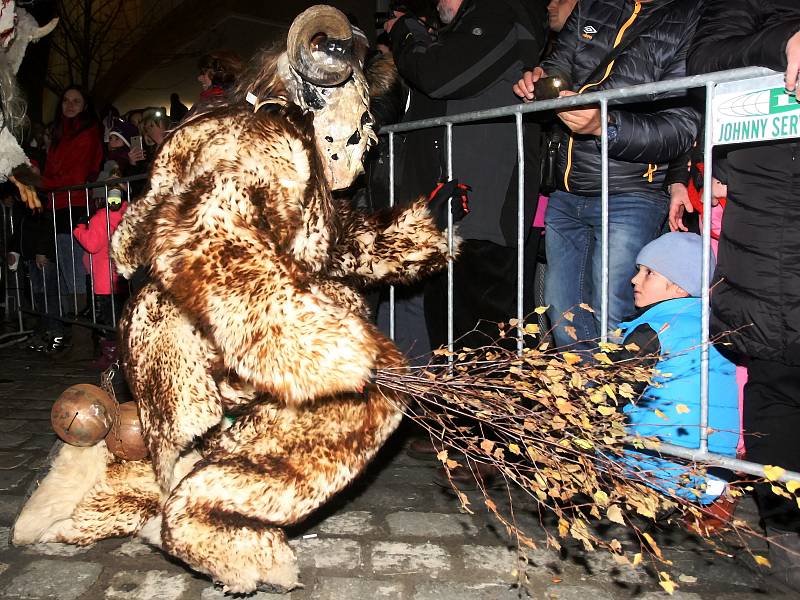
(650, 287)
(114, 142)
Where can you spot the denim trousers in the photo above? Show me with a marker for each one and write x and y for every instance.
(573, 229)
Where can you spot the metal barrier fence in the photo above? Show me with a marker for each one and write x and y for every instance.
(56, 287)
(605, 98)
(14, 293)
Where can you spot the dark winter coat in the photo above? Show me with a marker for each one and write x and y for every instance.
(473, 65)
(757, 281)
(649, 134)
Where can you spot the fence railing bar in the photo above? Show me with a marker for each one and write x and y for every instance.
(619, 95)
(604, 221)
(58, 266)
(391, 203)
(91, 266)
(522, 230)
(72, 252)
(708, 150)
(728, 462)
(111, 286)
(450, 247)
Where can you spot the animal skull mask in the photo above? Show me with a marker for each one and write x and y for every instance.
(322, 74)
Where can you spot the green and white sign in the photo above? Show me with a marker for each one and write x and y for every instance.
(755, 110)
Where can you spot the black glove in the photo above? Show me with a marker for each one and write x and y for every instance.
(84, 220)
(438, 201)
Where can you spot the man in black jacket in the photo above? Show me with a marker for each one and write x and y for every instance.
(757, 281)
(642, 140)
(471, 64)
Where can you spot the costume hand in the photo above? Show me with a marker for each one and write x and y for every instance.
(387, 27)
(678, 203)
(84, 220)
(792, 62)
(41, 261)
(524, 87)
(439, 199)
(28, 194)
(584, 121)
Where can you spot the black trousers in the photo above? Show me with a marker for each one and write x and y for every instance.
(772, 429)
(484, 294)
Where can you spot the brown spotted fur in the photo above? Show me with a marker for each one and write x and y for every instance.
(253, 309)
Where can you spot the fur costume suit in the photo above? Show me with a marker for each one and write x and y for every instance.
(253, 311)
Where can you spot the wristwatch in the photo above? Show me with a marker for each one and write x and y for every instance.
(612, 128)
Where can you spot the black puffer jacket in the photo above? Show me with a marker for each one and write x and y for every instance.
(757, 291)
(650, 134)
(472, 65)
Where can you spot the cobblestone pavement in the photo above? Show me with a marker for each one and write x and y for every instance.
(393, 534)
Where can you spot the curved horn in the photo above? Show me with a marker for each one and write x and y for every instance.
(44, 30)
(319, 45)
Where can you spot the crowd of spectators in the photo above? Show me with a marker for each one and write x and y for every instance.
(63, 248)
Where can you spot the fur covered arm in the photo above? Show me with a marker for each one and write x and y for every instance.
(127, 240)
(393, 246)
(274, 326)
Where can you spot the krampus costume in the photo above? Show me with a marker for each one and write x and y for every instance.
(251, 311)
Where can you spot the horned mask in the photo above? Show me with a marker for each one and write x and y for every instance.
(322, 73)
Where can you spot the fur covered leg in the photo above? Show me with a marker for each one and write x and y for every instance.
(168, 365)
(272, 468)
(88, 496)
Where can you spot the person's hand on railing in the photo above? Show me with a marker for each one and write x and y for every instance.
(792, 62)
(583, 121)
(524, 87)
(41, 261)
(678, 204)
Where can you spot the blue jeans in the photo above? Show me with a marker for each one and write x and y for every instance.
(574, 272)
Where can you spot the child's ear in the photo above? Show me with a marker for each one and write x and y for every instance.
(679, 291)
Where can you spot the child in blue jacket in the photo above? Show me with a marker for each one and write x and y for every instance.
(667, 324)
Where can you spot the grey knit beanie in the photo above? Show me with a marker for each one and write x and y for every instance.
(678, 256)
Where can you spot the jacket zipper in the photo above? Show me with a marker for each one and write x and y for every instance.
(637, 7)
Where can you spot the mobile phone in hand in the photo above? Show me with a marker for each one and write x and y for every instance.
(548, 88)
(136, 142)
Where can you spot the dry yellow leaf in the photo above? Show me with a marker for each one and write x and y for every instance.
(660, 414)
(442, 456)
(487, 445)
(764, 562)
(571, 358)
(585, 306)
(666, 583)
(792, 486)
(606, 410)
(773, 473)
(637, 558)
(514, 448)
(451, 464)
(600, 497)
(602, 357)
(571, 332)
(682, 409)
(540, 310)
(652, 543)
(615, 514)
(531, 328)
(569, 316)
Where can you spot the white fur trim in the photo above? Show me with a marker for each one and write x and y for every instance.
(73, 473)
